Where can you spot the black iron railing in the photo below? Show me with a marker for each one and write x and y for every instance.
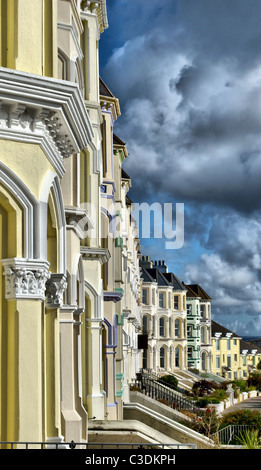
(92, 445)
(172, 396)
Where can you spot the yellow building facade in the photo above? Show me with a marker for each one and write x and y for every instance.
(225, 352)
(62, 308)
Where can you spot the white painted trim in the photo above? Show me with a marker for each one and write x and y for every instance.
(30, 206)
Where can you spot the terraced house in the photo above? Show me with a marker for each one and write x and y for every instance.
(69, 316)
(225, 352)
(163, 318)
(82, 311)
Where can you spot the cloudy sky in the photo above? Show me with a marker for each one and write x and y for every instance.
(188, 77)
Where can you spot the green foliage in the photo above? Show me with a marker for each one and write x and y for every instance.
(241, 384)
(207, 423)
(250, 439)
(203, 387)
(205, 401)
(243, 416)
(169, 380)
(220, 394)
(254, 380)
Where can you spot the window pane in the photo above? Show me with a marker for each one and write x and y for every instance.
(145, 296)
(189, 309)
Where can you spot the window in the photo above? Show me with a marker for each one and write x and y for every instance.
(189, 331)
(177, 359)
(244, 360)
(202, 311)
(145, 296)
(218, 362)
(229, 361)
(190, 352)
(235, 342)
(145, 359)
(177, 328)
(217, 344)
(145, 325)
(169, 296)
(162, 357)
(228, 344)
(162, 327)
(153, 296)
(235, 357)
(202, 335)
(189, 309)
(176, 302)
(161, 299)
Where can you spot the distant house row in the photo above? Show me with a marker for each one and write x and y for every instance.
(176, 318)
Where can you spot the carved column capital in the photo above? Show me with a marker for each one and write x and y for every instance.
(55, 287)
(25, 279)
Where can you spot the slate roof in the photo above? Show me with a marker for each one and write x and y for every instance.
(247, 345)
(117, 140)
(216, 328)
(125, 175)
(104, 90)
(190, 292)
(146, 276)
(176, 283)
(158, 277)
(198, 291)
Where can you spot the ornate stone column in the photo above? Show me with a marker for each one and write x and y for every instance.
(55, 287)
(25, 281)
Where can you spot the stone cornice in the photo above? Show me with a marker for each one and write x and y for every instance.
(43, 109)
(100, 254)
(97, 8)
(79, 220)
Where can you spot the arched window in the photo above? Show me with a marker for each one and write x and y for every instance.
(177, 328)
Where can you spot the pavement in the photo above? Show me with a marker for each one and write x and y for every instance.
(251, 404)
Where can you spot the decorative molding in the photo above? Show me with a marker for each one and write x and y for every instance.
(98, 8)
(113, 296)
(79, 220)
(55, 287)
(94, 254)
(25, 279)
(46, 111)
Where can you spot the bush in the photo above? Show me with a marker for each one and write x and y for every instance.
(250, 439)
(169, 380)
(245, 416)
(254, 380)
(207, 423)
(220, 394)
(239, 384)
(203, 387)
(205, 401)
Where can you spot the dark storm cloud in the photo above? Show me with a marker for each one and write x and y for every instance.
(188, 76)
